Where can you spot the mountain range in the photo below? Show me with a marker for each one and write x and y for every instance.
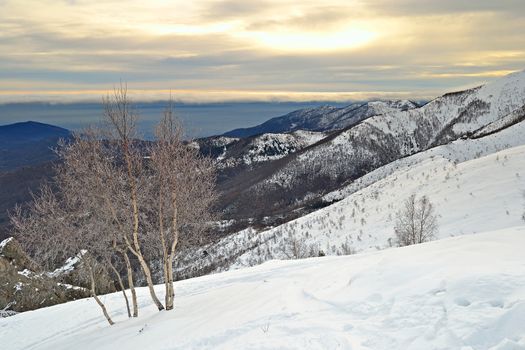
(308, 159)
(329, 182)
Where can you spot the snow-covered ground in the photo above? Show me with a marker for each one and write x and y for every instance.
(464, 292)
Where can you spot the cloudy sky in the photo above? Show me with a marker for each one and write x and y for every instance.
(256, 50)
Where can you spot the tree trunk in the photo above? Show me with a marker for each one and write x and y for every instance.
(166, 283)
(122, 288)
(131, 285)
(170, 292)
(100, 303)
(149, 280)
(136, 244)
(164, 248)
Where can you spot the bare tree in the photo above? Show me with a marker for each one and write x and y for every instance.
(116, 272)
(118, 197)
(181, 189)
(90, 174)
(121, 132)
(416, 222)
(55, 227)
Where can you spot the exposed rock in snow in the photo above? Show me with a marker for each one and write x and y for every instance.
(23, 286)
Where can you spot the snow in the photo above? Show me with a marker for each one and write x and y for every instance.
(26, 273)
(457, 151)
(280, 145)
(269, 146)
(4, 243)
(70, 286)
(68, 266)
(18, 286)
(459, 293)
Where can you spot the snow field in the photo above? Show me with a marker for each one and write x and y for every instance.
(459, 293)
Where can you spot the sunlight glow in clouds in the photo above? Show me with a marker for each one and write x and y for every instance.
(312, 42)
(263, 50)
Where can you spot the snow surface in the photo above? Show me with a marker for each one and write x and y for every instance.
(457, 151)
(459, 293)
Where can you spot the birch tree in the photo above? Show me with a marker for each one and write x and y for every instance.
(118, 198)
(182, 193)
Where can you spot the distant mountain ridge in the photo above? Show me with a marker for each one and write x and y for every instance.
(29, 131)
(324, 118)
(26, 155)
(28, 143)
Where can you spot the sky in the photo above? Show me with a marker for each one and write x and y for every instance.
(264, 50)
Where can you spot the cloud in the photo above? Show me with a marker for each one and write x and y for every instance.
(256, 50)
(441, 7)
(230, 9)
(318, 18)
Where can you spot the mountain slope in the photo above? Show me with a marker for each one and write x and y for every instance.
(26, 152)
(247, 152)
(324, 118)
(381, 139)
(467, 180)
(16, 187)
(23, 132)
(28, 143)
(460, 293)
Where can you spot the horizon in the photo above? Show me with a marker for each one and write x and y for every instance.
(200, 119)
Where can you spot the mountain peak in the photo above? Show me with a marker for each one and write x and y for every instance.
(32, 129)
(31, 124)
(29, 131)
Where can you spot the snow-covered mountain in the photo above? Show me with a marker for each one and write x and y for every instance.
(465, 151)
(389, 136)
(468, 180)
(459, 293)
(274, 177)
(353, 152)
(324, 118)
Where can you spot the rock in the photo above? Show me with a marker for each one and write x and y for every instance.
(24, 287)
(11, 250)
